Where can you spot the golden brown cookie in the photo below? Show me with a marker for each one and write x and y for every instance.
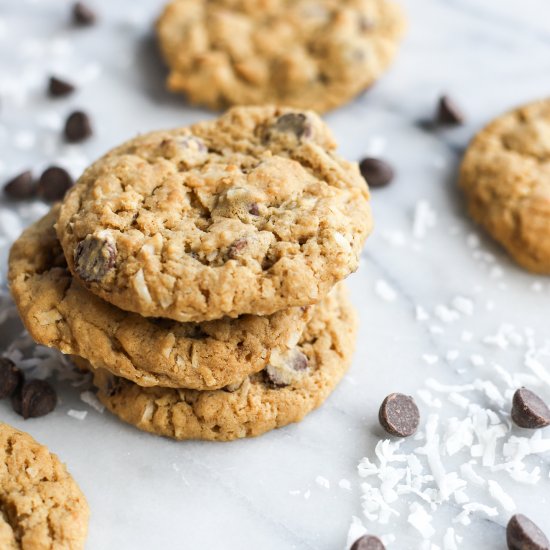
(59, 312)
(308, 54)
(41, 506)
(505, 176)
(281, 394)
(250, 213)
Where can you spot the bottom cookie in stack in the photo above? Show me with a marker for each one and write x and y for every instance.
(279, 395)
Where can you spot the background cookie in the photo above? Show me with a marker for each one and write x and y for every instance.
(250, 213)
(41, 506)
(302, 53)
(61, 313)
(506, 178)
(281, 394)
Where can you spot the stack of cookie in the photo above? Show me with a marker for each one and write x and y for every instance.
(196, 272)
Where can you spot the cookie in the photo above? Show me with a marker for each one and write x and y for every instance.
(59, 312)
(301, 53)
(284, 392)
(41, 506)
(250, 213)
(505, 176)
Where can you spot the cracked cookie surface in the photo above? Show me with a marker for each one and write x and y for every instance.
(41, 506)
(250, 213)
(281, 394)
(301, 53)
(59, 312)
(505, 176)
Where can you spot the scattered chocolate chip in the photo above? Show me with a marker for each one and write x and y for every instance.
(237, 247)
(59, 88)
(523, 534)
(529, 410)
(11, 378)
(377, 172)
(77, 127)
(283, 371)
(295, 123)
(54, 183)
(83, 14)
(368, 542)
(21, 186)
(254, 209)
(448, 113)
(94, 257)
(399, 415)
(36, 398)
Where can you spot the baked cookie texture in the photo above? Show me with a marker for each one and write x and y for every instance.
(301, 53)
(505, 176)
(59, 312)
(281, 394)
(253, 212)
(41, 506)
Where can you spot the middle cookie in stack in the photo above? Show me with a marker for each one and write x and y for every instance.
(220, 238)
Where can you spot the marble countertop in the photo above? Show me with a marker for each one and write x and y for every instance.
(272, 492)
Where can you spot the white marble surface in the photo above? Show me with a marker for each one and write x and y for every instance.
(146, 492)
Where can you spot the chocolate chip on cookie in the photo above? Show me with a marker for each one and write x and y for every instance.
(529, 410)
(59, 88)
(284, 370)
(77, 127)
(238, 246)
(54, 183)
(399, 415)
(36, 398)
(523, 534)
(377, 172)
(368, 542)
(293, 123)
(11, 378)
(448, 112)
(21, 186)
(94, 258)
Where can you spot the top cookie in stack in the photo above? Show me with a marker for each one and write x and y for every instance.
(250, 213)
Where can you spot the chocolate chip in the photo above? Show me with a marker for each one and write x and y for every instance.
(36, 398)
(368, 542)
(523, 534)
(281, 372)
(254, 209)
(21, 186)
(377, 172)
(54, 183)
(83, 15)
(399, 415)
(94, 257)
(237, 247)
(11, 378)
(77, 127)
(448, 113)
(529, 410)
(295, 123)
(59, 88)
